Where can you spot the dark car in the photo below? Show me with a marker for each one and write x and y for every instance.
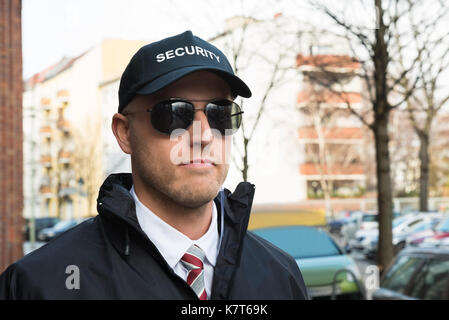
(39, 224)
(48, 234)
(416, 273)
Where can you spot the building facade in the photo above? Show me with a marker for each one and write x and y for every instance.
(332, 138)
(67, 128)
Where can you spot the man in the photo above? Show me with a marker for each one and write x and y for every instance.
(168, 230)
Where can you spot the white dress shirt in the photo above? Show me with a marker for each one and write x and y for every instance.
(172, 244)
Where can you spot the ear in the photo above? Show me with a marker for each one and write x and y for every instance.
(120, 128)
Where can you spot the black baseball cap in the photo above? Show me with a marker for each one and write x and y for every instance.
(160, 63)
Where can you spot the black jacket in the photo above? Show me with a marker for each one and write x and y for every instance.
(115, 259)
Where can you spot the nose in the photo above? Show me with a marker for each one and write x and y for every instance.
(200, 133)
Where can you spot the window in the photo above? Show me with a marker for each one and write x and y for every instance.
(370, 218)
(398, 276)
(433, 282)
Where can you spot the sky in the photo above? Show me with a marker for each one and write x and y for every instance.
(53, 29)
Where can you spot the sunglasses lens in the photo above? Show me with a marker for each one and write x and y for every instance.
(225, 116)
(170, 115)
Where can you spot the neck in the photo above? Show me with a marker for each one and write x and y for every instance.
(192, 222)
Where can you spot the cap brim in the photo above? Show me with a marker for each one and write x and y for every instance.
(238, 87)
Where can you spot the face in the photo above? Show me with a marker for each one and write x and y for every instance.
(152, 153)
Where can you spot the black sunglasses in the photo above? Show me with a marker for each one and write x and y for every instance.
(169, 115)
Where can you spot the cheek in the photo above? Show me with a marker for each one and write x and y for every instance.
(149, 149)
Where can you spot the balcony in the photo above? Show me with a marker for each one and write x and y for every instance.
(46, 131)
(325, 97)
(331, 135)
(46, 191)
(64, 156)
(312, 170)
(66, 190)
(46, 103)
(327, 62)
(46, 161)
(63, 125)
(63, 97)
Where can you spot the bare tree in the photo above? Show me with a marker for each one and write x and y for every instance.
(327, 156)
(376, 50)
(244, 43)
(425, 102)
(87, 160)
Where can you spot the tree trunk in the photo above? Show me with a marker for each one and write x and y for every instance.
(384, 193)
(245, 159)
(424, 171)
(380, 128)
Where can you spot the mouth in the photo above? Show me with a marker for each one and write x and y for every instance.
(198, 163)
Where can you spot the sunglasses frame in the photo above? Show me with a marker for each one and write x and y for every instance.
(172, 100)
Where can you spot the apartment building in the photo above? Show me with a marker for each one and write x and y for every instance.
(332, 138)
(65, 134)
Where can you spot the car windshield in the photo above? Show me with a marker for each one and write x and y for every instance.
(63, 225)
(400, 273)
(369, 218)
(443, 226)
(300, 242)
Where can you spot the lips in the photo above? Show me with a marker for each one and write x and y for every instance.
(199, 163)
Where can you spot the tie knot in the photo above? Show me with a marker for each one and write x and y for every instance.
(193, 258)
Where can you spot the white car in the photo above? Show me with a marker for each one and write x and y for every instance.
(369, 221)
(367, 240)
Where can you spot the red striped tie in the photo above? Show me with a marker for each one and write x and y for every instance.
(193, 262)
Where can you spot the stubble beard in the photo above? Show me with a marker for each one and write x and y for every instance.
(162, 183)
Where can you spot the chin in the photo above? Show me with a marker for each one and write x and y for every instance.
(195, 195)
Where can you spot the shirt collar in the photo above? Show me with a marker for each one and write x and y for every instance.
(171, 243)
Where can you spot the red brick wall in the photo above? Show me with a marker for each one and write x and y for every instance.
(11, 195)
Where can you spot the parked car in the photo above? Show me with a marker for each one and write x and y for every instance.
(367, 240)
(343, 218)
(48, 234)
(364, 238)
(353, 224)
(416, 273)
(441, 233)
(401, 233)
(320, 259)
(39, 224)
(369, 221)
(419, 237)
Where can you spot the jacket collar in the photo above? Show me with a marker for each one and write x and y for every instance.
(116, 203)
(115, 197)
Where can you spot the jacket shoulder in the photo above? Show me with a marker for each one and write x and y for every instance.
(47, 266)
(264, 253)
